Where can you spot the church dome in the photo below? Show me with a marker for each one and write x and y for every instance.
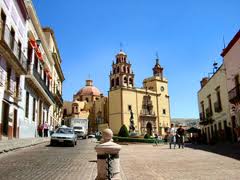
(89, 90)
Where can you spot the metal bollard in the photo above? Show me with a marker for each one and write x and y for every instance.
(108, 164)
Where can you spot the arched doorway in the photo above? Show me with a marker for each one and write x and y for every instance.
(149, 128)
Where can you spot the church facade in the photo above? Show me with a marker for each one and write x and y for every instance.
(148, 106)
(146, 109)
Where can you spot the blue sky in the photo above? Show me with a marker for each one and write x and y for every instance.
(188, 36)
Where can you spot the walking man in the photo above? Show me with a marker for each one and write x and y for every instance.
(172, 136)
(180, 134)
(45, 129)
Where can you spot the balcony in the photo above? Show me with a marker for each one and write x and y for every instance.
(234, 94)
(58, 98)
(145, 112)
(11, 50)
(43, 84)
(206, 121)
(217, 107)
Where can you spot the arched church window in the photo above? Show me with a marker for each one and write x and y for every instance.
(125, 79)
(118, 69)
(117, 82)
(128, 70)
(114, 70)
(124, 69)
(130, 81)
(112, 83)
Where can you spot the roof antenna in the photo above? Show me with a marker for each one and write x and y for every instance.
(121, 45)
(224, 46)
(157, 58)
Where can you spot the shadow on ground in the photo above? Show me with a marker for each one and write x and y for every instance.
(229, 150)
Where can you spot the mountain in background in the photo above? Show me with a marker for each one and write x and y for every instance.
(191, 122)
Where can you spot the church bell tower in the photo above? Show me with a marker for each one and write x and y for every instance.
(158, 70)
(121, 74)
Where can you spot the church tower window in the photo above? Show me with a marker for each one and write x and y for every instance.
(125, 79)
(112, 83)
(117, 82)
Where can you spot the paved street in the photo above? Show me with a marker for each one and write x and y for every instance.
(138, 162)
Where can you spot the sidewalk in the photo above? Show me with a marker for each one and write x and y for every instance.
(10, 145)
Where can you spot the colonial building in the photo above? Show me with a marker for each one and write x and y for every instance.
(147, 106)
(57, 77)
(88, 103)
(231, 55)
(30, 72)
(13, 65)
(215, 121)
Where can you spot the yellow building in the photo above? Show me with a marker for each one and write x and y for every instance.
(213, 105)
(88, 103)
(149, 105)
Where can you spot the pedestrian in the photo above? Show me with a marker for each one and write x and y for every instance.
(180, 135)
(156, 139)
(172, 136)
(51, 130)
(39, 129)
(45, 129)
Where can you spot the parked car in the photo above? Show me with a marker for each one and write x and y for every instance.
(80, 132)
(91, 136)
(64, 135)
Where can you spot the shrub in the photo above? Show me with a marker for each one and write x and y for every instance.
(136, 140)
(123, 132)
(147, 136)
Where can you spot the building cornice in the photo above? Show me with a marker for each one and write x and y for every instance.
(231, 44)
(38, 27)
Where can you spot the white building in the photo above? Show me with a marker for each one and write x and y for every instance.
(13, 67)
(30, 72)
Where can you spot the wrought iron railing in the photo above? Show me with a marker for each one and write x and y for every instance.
(13, 45)
(59, 96)
(42, 83)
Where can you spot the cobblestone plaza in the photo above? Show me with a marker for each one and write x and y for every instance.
(138, 162)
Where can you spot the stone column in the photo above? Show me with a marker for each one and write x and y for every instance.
(106, 149)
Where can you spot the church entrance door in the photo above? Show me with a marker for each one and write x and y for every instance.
(149, 128)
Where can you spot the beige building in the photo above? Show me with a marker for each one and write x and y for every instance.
(231, 55)
(213, 105)
(149, 105)
(88, 103)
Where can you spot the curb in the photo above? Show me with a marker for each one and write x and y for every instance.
(21, 147)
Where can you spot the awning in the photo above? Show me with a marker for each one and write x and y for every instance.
(33, 43)
(39, 54)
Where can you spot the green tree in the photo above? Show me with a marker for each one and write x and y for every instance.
(123, 132)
